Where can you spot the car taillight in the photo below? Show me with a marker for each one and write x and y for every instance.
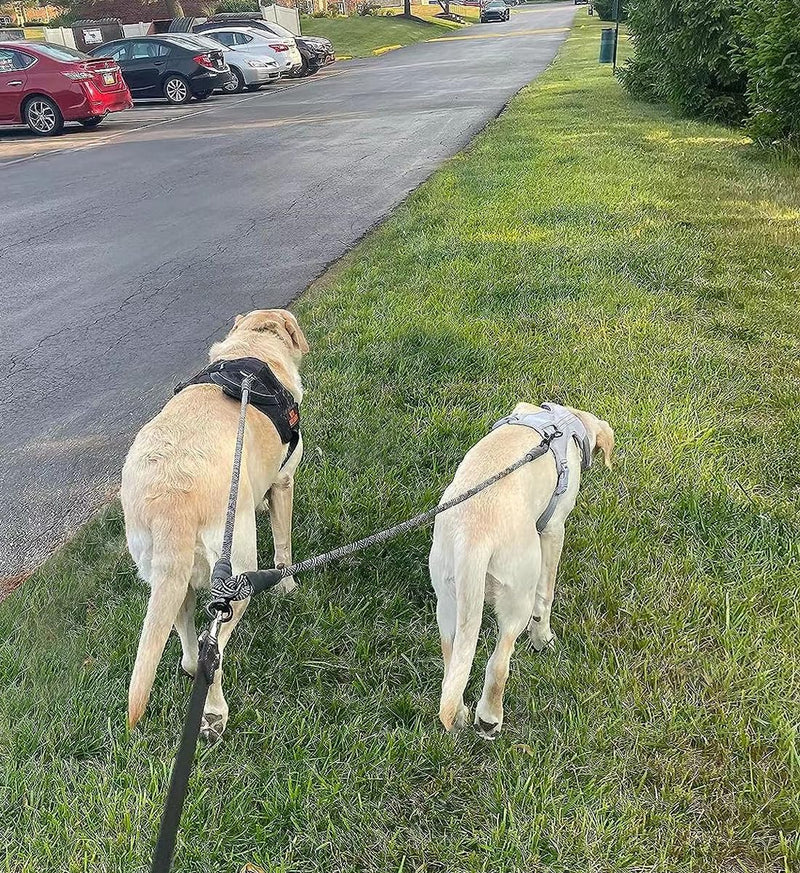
(78, 75)
(279, 46)
(204, 61)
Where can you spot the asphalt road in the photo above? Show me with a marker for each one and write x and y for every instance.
(124, 255)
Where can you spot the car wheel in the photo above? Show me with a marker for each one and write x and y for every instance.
(236, 84)
(254, 87)
(43, 117)
(176, 90)
(90, 123)
(203, 96)
(303, 71)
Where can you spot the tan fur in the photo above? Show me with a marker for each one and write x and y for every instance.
(175, 485)
(488, 548)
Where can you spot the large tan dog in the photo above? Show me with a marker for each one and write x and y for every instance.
(175, 486)
(488, 548)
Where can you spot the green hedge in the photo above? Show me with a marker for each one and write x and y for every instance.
(736, 61)
(236, 6)
(605, 10)
(772, 63)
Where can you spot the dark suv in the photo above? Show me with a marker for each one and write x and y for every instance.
(316, 51)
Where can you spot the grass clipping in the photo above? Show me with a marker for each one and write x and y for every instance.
(586, 249)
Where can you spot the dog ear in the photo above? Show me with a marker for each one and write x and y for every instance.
(605, 441)
(237, 320)
(293, 329)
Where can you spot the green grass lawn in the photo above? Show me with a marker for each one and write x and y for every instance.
(359, 35)
(586, 249)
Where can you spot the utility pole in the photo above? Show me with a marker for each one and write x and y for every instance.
(617, 12)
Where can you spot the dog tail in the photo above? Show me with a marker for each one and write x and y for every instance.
(170, 570)
(470, 584)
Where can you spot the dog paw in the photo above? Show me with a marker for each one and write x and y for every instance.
(212, 726)
(488, 730)
(286, 586)
(542, 641)
(462, 718)
(458, 721)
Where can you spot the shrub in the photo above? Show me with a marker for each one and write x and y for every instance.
(771, 62)
(605, 10)
(236, 6)
(686, 55)
(731, 60)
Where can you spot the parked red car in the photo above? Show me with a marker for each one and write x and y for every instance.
(44, 85)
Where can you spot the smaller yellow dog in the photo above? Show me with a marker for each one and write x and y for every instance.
(504, 545)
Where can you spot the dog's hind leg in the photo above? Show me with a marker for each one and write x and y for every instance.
(552, 541)
(281, 499)
(184, 625)
(513, 606)
(243, 557)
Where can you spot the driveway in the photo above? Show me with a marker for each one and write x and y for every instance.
(126, 253)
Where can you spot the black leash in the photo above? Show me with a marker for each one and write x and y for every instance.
(207, 663)
(226, 588)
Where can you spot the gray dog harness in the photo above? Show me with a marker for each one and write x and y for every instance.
(559, 425)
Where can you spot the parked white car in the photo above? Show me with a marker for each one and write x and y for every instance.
(249, 69)
(255, 43)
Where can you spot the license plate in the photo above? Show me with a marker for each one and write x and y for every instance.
(109, 78)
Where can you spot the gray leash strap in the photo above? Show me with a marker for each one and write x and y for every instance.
(222, 568)
(247, 584)
(208, 661)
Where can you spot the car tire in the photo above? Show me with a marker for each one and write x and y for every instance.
(237, 85)
(204, 95)
(91, 123)
(303, 71)
(255, 87)
(176, 90)
(42, 116)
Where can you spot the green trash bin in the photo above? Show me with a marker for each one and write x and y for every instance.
(607, 45)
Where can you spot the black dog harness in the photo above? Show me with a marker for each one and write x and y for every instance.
(266, 394)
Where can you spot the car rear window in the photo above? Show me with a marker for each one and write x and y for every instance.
(13, 60)
(61, 52)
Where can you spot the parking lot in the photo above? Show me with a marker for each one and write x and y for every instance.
(153, 232)
(18, 144)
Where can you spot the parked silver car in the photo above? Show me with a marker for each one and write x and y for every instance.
(256, 43)
(250, 70)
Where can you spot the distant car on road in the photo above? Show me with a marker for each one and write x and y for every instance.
(257, 42)
(45, 85)
(495, 10)
(159, 66)
(250, 72)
